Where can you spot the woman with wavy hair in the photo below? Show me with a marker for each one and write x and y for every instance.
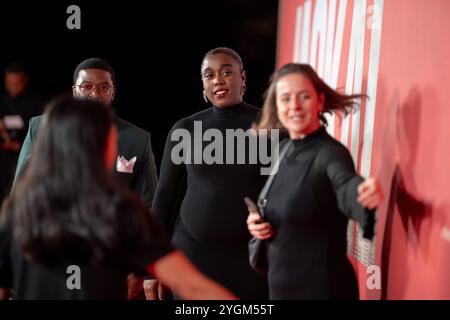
(314, 193)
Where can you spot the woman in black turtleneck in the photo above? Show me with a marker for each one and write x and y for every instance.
(314, 193)
(209, 227)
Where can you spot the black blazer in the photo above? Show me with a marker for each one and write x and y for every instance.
(132, 142)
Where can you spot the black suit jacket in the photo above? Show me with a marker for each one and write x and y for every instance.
(133, 142)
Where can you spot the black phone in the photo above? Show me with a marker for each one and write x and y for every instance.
(251, 206)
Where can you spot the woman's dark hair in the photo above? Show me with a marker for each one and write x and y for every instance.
(65, 206)
(230, 52)
(334, 101)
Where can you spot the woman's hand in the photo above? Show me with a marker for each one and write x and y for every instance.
(178, 273)
(370, 193)
(258, 228)
(154, 289)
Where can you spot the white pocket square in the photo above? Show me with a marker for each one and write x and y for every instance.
(124, 165)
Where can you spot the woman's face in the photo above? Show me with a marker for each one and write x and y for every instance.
(298, 105)
(222, 80)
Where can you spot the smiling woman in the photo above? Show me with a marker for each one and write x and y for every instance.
(223, 77)
(314, 193)
(210, 225)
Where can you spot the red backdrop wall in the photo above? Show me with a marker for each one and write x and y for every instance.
(398, 52)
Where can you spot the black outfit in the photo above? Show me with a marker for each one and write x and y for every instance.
(311, 198)
(210, 225)
(141, 243)
(132, 142)
(23, 107)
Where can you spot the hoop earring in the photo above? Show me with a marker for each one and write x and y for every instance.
(204, 97)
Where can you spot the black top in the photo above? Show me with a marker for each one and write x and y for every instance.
(142, 242)
(311, 198)
(210, 226)
(132, 142)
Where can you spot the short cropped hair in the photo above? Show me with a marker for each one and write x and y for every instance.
(228, 51)
(94, 63)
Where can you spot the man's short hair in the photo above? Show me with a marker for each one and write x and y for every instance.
(94, 63)
(229, 52)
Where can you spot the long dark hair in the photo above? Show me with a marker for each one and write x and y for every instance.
(66, 205)
(334, 101)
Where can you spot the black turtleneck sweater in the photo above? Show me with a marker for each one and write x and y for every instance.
(310, 201)
(210, 225)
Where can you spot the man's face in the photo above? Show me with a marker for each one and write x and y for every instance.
(95, 84)
(15, 83)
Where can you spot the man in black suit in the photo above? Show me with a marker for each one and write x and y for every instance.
(94, 79)
(135, 168)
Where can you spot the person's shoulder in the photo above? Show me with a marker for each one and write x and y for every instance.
(186, 121)
(251, 109)
(129, 128)
(330, 148)
(199, 115)
(33, 96)
(35, 121)
(3, 100)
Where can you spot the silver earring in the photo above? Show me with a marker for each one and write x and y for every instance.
(204, 97)
(244, 87)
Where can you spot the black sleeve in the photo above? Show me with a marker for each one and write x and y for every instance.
(170, 184)
(144, 240)
(147, 177)
(340, 170)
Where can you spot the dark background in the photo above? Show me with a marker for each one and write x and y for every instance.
(155, 48)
